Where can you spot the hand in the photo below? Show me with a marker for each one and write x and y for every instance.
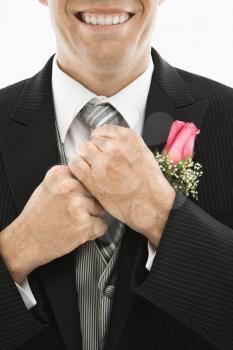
(120, 171)
(60, 216)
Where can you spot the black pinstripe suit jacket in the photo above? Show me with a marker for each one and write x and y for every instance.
(186, 301)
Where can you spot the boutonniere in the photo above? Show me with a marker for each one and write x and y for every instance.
(176, 159)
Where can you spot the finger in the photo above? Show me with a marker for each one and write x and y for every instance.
(99, 228)
(59, 179)
(86, 204)
(110, 130)
(102, 143)
(79, 168)
(93, 206)
(87, 150)
(58, 172)
(81, 189)
(109, 145)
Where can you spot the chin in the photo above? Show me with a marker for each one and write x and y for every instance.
(108, 55)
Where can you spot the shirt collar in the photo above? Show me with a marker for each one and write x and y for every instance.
(70, 97)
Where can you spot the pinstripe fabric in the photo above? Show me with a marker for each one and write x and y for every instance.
(96, 276)
(185, 302)
(96, 283)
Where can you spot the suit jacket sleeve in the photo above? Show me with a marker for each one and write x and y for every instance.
(17, 323)
(192, 275)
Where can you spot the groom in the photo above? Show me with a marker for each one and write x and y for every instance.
(97, 249)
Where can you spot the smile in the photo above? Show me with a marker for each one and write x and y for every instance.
(103, 19)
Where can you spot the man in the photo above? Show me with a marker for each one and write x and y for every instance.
(82, 202)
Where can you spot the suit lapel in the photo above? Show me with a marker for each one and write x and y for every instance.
(169, 99)
(30, 150)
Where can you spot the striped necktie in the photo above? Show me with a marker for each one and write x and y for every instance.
(96, 113)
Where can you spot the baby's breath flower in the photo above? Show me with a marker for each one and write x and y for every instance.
(183, 176)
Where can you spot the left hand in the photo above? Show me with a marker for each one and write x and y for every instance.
(117, 167)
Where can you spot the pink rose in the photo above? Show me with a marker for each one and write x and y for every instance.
(181, 139)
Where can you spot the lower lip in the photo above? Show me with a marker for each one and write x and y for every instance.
(102, 28)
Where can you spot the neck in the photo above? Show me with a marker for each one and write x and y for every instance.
(105, 81)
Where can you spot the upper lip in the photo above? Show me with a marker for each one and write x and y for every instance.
(104, 11)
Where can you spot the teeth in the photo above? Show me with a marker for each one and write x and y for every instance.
(88, 19)
(116, 20)
(123, 18)
(94, 20)
(101, 20)
(105, 20)
(108, 21)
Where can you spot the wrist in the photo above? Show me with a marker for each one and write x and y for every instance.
(154, 234)
(12, 255)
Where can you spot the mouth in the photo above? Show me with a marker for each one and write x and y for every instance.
(104, 17)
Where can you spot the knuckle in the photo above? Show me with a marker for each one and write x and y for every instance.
(58, 183)
(55, 172)
(79, 219)
(65, 187)
(76, 205)
(96, 228)
(90, 231)
(87, 230)
(103, 229)
(68, 186)
(115, 149)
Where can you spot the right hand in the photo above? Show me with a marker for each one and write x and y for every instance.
(59, 216)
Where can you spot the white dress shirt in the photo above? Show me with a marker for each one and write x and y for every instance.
(70, 97)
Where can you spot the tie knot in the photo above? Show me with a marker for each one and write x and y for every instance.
(98, 100)
(98, 111)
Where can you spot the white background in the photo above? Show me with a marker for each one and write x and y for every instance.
(195, 35)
